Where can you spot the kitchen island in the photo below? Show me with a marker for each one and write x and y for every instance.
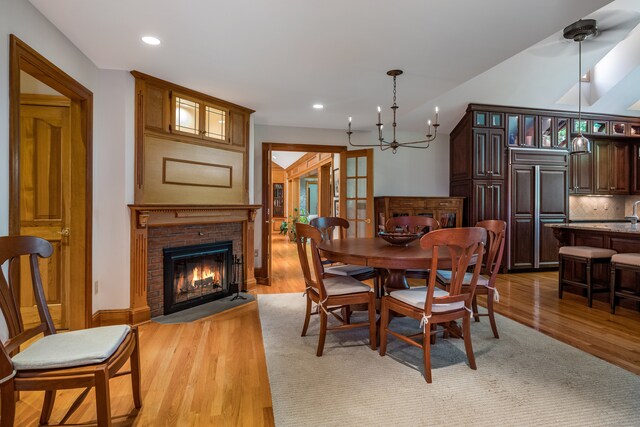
(621, 237)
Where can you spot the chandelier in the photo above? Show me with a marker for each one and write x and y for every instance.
(580, 31)
(384, 144)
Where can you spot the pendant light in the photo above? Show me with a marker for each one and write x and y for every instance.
(578, 32)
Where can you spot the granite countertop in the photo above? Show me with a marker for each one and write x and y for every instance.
(610, 227)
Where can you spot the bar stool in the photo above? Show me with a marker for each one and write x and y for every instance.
(586, 255)
(624, 262)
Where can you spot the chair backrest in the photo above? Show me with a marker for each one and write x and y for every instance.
(11, 249)
(307, 240)
(327, 225)
(412, 224)
(496, 230)
(464, 246)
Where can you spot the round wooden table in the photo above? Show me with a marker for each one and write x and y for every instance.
(377, 253)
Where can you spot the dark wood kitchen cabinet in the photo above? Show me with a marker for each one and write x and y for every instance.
(538, 196)
(635, 168)
(500, 180)
(487, 154)
(611, 167)
(581, 174)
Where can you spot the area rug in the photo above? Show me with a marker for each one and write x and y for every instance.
(525, 378)
(204, 310)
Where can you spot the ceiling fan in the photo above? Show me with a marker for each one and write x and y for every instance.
(605, 28)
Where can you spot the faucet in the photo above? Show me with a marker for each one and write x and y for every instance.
(634, 216)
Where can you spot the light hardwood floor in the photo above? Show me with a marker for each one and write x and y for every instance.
(213, 372)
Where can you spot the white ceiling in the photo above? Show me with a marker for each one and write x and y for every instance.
(286, 158)
(280, 57)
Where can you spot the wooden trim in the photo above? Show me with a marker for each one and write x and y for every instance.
(188, 92)
(25, 58)
(111, 317)
(267, 147)
(48, 100)
(191, 162)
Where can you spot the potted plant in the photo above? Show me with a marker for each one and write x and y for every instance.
(288, 228)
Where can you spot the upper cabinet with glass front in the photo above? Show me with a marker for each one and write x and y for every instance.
(199, 118)
(196, 117)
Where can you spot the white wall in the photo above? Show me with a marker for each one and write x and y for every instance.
(409, 172)
(112, 144)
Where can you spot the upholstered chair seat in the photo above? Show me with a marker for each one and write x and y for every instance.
(75, 348)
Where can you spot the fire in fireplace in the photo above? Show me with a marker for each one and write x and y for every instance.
(196, 274)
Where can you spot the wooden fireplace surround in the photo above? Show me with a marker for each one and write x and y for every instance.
(145, 216)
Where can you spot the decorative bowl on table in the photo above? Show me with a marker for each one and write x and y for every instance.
(400, 239)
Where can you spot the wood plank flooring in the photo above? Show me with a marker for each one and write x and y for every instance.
(213, 372)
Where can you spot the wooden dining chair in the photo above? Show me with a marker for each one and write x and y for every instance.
(84, 358)
(486, 284)
(413, 224)
(332, 293)
(433, 306)
(327, 225)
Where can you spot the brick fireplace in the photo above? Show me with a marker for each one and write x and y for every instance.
(154, 228)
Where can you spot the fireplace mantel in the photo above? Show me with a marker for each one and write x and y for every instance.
(145, 216)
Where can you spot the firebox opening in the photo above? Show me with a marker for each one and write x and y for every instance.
(196, 274)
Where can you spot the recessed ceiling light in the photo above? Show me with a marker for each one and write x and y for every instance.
(318, 106)
(153, 41)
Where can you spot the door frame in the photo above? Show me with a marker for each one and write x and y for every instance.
(263, 274)
(25, 58)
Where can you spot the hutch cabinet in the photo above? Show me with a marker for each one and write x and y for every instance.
(447, 210)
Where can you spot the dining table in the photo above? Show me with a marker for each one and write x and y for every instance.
(378, 253)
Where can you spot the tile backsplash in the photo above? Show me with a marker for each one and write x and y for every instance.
(600, 207)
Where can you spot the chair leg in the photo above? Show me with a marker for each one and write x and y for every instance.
(135, 371)
(8, 404)
(47, 406)
(426, 353)
(346, 314)
(474, 307)
(589, 273)
(307, 316)
(466, 332)
(103, 403)
(323, 332)
(492, 318)
(384, 323)
(612, 290)
(560, 275)
(372, 321)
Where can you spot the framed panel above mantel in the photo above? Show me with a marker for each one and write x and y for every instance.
(176, 127)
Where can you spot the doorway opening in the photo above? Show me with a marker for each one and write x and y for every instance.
(50, 182)
(301, 182)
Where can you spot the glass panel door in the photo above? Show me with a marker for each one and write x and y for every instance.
(356, 170)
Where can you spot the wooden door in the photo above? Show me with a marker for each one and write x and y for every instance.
(481, 154)
(552, 207)
(356, 191)
(495, 146)
(635, 168)
(45, 203)
(620, 167)
(523, 216)
(582, 174)
(496, 201)
(602, 167)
